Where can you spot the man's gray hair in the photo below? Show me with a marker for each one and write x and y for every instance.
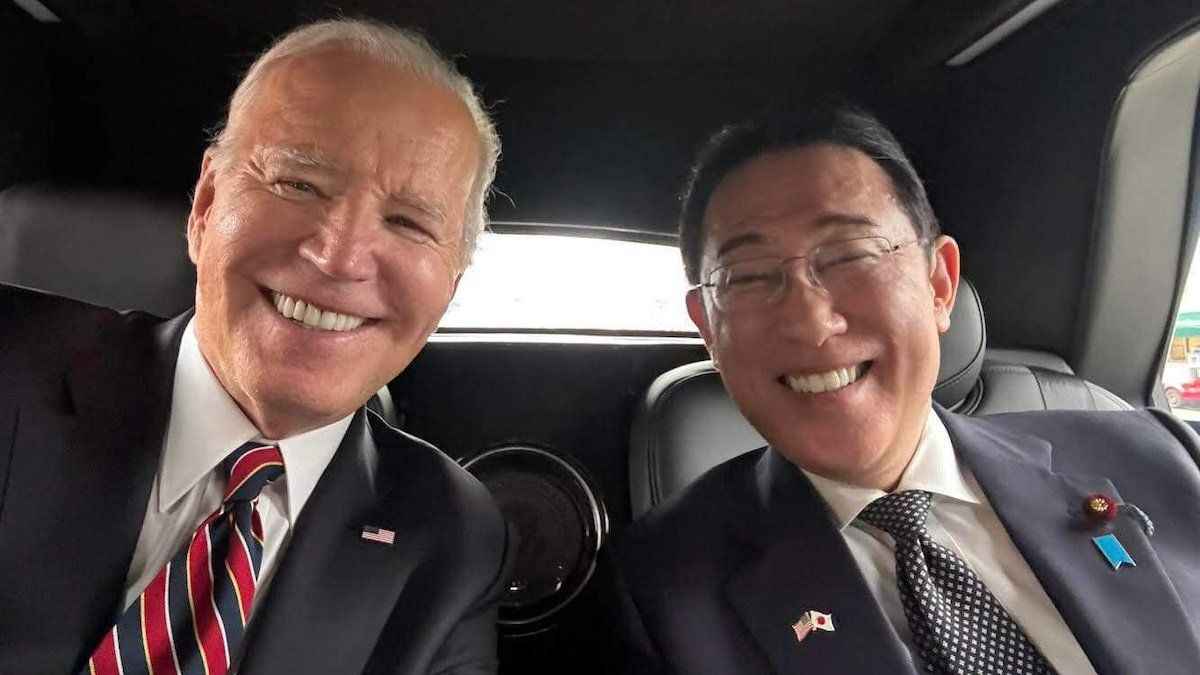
(395, 46)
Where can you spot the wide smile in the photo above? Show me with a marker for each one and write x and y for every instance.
(313, 317)
(825, 382)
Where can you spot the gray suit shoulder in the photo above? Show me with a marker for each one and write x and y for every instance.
(1107, 434)
(716, 504)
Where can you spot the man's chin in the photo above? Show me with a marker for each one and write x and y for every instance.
(839, 451)
(304, 406)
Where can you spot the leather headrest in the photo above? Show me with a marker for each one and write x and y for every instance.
(962, 348)
(115, 247)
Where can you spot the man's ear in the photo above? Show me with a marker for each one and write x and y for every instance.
(698, 314)
(943, 277)
(202, 201)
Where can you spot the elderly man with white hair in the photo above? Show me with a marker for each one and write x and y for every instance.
(208, 494)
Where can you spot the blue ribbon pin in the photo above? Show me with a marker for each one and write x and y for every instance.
(1112, 550)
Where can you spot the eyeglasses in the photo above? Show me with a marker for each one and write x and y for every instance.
(835, 269)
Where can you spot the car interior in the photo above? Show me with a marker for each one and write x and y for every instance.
(1057, 138)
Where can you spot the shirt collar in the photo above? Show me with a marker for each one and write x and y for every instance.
(305, 457)
(934, 468)
(206, 425)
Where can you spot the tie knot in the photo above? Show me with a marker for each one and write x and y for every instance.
(249, 469)
(900, 514)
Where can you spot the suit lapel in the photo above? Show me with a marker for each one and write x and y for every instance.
(81, 468)
(333, 590)
(121, 397)
(806, 565)
(1121, 617)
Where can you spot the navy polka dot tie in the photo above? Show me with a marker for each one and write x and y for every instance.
(958, 626)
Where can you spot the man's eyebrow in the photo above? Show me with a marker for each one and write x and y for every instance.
(740, 240)
(429, 208)
(825, 221)
(292, 155)
(830, 219)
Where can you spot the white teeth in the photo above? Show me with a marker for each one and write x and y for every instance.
(831, 381)
(822, 382)
(312, 316)
(813, 383)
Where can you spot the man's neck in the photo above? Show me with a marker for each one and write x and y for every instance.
(887, 473)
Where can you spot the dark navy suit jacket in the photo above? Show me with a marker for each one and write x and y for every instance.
(84, 399)
(712, 581)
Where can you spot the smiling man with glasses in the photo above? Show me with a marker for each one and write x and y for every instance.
(836, 269)
(879, 533)
(809, 284)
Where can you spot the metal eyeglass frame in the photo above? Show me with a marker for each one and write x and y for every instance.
(813, 278)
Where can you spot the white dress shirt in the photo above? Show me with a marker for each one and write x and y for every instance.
(960, 519)
(206, 425)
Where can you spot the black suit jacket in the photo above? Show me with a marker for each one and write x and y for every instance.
(712, 581)
(84, 399)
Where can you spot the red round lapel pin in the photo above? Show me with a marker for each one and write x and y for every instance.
(1100, 508)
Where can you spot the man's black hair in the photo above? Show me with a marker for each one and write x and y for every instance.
(823, 120)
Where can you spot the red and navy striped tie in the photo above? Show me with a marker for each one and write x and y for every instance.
(190, 619)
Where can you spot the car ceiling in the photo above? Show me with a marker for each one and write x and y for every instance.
(677, 31)
(600, 104)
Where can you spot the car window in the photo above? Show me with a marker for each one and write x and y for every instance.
(1181, 372)
(545, 282)
(1168, 82)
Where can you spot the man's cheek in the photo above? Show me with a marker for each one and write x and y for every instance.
(725, 335)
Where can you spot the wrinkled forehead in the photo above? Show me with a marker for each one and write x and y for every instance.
(803, 195)
(335, 101)
(334, 77)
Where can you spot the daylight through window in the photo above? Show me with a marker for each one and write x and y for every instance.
(549, 282)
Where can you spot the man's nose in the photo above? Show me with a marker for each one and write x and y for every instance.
(807, 313)
(342, 245)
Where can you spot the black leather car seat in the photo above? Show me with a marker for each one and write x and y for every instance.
(116, 247)
(686, 423)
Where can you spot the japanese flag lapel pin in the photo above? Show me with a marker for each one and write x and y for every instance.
(812, 620)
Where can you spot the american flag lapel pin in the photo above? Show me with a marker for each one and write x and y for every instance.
(812, 620)
(378, 535)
